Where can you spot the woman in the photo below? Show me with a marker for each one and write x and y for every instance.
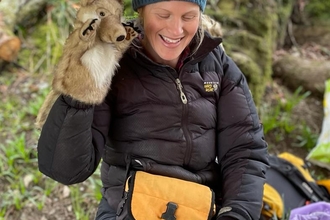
(179, 104)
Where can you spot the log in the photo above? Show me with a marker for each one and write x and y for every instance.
(295, 71)
(9, 43)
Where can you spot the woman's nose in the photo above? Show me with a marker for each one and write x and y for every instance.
(175, 26)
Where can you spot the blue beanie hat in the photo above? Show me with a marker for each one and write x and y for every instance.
(139, 3)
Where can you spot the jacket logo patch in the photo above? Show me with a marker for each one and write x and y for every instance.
(211, 86)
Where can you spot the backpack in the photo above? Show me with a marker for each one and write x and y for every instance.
(290, 185)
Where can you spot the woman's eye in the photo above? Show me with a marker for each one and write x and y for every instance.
(163, 16)
(190, 17)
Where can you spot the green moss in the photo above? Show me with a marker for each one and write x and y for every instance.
(283, 15)
(6, 8)
(251, 37)
(229, 21)
(226, 5)
(253, 73)
(258, 23)
(128, 10)
(255, 47)
(257, 62)
(318, 9)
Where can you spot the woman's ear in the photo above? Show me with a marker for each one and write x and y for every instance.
(140, 12)
(141, 19)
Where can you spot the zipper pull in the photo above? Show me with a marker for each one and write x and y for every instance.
(180, 87)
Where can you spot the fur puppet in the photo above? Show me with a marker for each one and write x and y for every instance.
(90, 55)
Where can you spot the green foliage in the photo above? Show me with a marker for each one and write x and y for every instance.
(129, 13)
(278, 120)
(83, 195)
(63, 14)
(21, 183)
(17, 165)
(18, 160)
(44, 42)
(307, 138)
(249, 33)
(318, 9)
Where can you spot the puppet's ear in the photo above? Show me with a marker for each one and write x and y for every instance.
(86, 2)
(120, 2)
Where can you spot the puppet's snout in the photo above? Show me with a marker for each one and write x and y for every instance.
(112, 30)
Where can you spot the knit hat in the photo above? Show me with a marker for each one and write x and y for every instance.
(139, 3)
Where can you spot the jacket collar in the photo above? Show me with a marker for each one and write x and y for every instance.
(209, 43)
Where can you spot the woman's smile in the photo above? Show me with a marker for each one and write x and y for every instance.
(168, 40)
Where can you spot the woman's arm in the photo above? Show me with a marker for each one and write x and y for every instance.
(72, 140)
(242, 150)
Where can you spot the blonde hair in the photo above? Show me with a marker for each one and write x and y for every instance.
(212, 26)
(199, 36)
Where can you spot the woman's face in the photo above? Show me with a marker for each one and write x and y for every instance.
(169, 27)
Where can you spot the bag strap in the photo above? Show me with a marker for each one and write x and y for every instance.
(124, 196)
(310, 190)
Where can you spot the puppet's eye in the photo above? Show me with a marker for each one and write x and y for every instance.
(102, 14)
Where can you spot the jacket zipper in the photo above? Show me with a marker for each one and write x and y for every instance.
(184, 122)
(180, 87)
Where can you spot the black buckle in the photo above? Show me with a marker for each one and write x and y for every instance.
(170, 211)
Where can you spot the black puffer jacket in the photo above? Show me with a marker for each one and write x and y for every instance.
(172, 123)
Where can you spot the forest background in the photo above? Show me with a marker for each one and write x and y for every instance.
(283, 47)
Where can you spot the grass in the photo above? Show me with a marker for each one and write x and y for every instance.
(21, 183)
(278, 120)
(22, 186)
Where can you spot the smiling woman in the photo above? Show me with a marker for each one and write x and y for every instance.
(179, 109)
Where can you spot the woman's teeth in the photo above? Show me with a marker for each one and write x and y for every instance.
(168, 40)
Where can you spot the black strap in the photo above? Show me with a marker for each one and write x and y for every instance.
(310, 190)
(124, 197)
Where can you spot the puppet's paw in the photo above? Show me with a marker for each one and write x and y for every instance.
(130, 33)
(88, 30)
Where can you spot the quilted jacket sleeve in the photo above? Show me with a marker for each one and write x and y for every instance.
(242, 150)
(72, 140)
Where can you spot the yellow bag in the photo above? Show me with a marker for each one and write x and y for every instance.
(324, 183)
(298, 163)
(272, 203)
(152, 197)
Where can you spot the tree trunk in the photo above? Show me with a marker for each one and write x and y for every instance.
(13, 13)
(296, 71)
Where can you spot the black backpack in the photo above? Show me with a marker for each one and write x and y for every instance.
(290, 185)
